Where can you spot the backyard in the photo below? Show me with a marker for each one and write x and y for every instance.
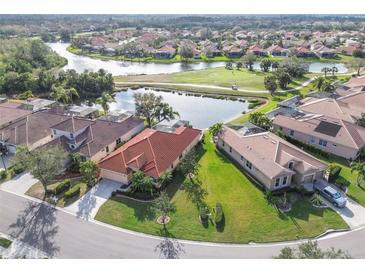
(247, 215)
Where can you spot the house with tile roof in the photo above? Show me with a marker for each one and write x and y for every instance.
(271, 160)
(332, 135)
(93, 139)
(152, 151)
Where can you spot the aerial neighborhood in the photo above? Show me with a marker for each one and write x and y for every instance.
(219, 129)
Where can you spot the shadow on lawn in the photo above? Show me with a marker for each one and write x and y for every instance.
(169, 247)
(36, 226)
(143, 211)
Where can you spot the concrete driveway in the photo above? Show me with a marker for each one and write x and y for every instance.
(88, 205)
(19, 184)
(353, 213)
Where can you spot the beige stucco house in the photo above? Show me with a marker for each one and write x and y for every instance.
(274, 162)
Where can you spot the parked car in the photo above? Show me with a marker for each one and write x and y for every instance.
(331, 194)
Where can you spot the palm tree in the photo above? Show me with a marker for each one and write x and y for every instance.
(104, 101)
(334, 70)
(166, 112)
(319, 83)
(326, 70)
(359, 167)
(164, 179)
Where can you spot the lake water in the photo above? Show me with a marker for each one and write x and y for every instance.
(202, 112)
(81, 63)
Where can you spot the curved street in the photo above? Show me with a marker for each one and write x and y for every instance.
(63, 235)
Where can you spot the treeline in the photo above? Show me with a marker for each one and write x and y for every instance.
(21, 60)
(30, 65)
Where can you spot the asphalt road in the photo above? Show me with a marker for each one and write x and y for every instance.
(63, 235)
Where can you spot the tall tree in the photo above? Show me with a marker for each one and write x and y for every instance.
(164, 206)
(89, 170)
(359, 167)
(334, 70)
(189, 165)
(326, 70)
(43, 163)
(249, 60)
(104, 100)
(152, 108)
(357, 64)
(265, 64)
(216, 129)
(186, 51)
(283, 78)
(270, 84)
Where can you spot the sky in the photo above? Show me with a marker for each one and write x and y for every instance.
(182, 6)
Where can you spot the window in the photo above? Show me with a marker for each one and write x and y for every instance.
(223, 143)
(334, 145)
(107, 149)
(71, 135)
(285, 181)
(322, 142)
(241, 158)
(54, 132)
(277, 182)
(249, 165)
(118, 141)
(291, 165)
(172, 166)
(230, 149)
(313, 140)
(180, 157)
(291, 132)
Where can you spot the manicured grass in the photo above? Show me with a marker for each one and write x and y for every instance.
(248, 217)
(5, 242)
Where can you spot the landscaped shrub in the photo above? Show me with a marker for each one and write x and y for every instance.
(218, 215)
(72, 192)
(334, 171)
(65, 185)
(342, 182)
(17, 169)
(3, 174)
(203, 213)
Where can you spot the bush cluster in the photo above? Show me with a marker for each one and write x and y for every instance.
(334, 171)
(62, 187)
(72, 192)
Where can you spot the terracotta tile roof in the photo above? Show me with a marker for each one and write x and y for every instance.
(151, 151)
(270, 154)
(349, 134)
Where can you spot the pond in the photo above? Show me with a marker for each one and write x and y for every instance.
(202, 112)
(81, 63)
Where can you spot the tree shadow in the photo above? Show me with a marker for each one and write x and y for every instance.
(86, 205)
(36, 226)
(169, 247)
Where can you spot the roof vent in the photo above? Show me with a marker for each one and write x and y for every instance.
(272, 141)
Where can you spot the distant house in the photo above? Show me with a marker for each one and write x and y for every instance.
(303, 52)
(166, 52)
(257, 50)
(271, 160)
(211, 51)
(278, 51)
(82, 111)
(348, 50)
(38, 104)
(232, 51)
(196, 53)
(324, 52)
(331, 135)
(152, 152)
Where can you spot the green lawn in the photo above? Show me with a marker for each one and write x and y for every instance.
(248, 217)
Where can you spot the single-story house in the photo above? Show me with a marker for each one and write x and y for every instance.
(271, 160)
(325, 52)
(276, 50)
(232, 51)
(303, 52)
(331, 135)
(166, 52)
(257, 50)
(152, 152)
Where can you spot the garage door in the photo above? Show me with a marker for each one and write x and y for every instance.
(114, 176)
(308, 178)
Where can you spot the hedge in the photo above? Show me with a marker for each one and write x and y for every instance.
(18, 169)
(334, 172)
(72, 192)
(342, 182)
(307, 147)
(65, 185)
